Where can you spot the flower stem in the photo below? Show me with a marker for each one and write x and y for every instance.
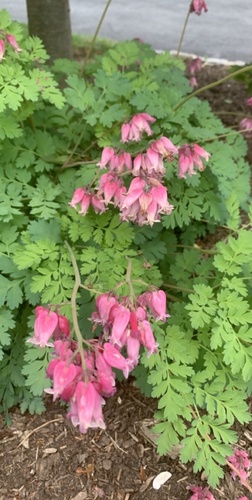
(77, 284)
(183, 31)
(181, 289)
(95, 35)
(129, 282)
(237, 472)
(234, 132)
(213, 84)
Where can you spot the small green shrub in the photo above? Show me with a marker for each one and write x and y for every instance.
(51, 141)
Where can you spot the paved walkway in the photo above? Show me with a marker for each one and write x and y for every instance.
(225, 31)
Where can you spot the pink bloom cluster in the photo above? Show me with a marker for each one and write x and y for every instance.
(245, 126)
(85, 198)
(83, 378)
(193, 68)
(197, 6)
(133, 130)
(241, 461)
(12, 41)
(200, 493)
(145, 199)
(190, 157)
(48, 324)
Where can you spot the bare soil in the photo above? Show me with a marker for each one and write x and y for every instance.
(44, 457)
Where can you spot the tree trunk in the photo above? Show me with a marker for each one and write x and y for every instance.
(50, 20)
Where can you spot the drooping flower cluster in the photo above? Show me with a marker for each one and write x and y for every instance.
(241, 461)
(245, 126)
(200, 493)
(133, 130)
(48, 324)
(193, 68)
(145, 198)
(190, 157)
(11, 40)
(83, 377)
(197, 6)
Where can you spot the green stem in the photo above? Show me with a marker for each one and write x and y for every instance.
(230, 113)
(178, 288)
(129, 282)
(183, 31)
(234, 132)
(77, 163)
(92, 290)
(77, 284)
(65, 165)
(95, 35)
(213, 84)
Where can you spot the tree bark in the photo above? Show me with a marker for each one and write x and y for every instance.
(50, 20)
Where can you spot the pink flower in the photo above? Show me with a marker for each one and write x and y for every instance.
(121, 319)
(200, 493)
(197, 6)
(64, 380)
(115, 359)
(125, 132)
(147, 338)
(64, 326)
(243, 498)
(98, 204)
(133, 348)
(154, 163)
(104, 304)
(81, 196)
(86, 407)
(133, 130)
(51, 367)
(105, 375)
(241, 461)
(2, 49)
(107, 155)
(13, 42)
(189, 157)
(134, 192)
(156, 302)
(64, 349)
(159, 195)
(193, 82)
(195, 65)
(45, 325)
(108, 186)
(246, 126)
(164, 147)
(249, 101)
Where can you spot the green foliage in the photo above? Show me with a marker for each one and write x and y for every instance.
(51, 141)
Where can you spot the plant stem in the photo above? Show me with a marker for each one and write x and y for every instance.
(178, 288)
(77, 163)
(65, 165)
(128, 280)
(95, 35)
(183, 31)
(77, 284)
(211, 85)
(237, 472)
(234, 132)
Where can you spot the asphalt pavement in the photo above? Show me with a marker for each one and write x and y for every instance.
(225, 31)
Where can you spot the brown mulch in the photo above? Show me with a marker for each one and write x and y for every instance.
(45, 457)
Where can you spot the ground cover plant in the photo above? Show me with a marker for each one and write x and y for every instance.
(88, 233)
